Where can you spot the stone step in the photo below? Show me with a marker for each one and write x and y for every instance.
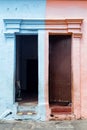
(62, 116)
(26, 113)
(26, 108)
(61, 109)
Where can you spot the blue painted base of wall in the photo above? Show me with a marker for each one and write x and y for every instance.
(10, 113)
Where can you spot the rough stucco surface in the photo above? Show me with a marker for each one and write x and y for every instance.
(74, 9)
(12, 9)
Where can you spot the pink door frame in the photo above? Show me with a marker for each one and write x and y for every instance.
(65, 27)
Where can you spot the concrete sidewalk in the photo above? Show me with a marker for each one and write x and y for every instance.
(48, 125)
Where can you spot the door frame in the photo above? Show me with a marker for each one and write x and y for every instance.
(46, 26)
(23, 34)
(75, 63)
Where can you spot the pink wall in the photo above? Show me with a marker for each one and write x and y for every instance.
(65, 9)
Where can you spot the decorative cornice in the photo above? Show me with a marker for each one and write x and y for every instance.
(61, 25)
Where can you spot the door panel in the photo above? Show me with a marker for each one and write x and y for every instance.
(59, 68)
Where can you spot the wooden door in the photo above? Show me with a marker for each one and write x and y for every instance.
(59, 68)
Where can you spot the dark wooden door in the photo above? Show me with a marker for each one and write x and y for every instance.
(59, 68)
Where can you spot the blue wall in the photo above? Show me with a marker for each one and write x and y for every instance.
(13, 9)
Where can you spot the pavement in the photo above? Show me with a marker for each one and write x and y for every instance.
(39, 125)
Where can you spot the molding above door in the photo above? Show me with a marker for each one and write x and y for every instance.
(26, 25)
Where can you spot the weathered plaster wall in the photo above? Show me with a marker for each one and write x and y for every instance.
(74, 9)
(16, 9)
(40, 9)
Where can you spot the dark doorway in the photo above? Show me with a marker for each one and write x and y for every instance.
(60, 70)
(27, 66)
(32, 77)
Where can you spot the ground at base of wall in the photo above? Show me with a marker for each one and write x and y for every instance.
(62, 117)
(36, 125)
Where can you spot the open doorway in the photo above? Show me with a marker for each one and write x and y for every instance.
(27, 68)
(60, 99)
